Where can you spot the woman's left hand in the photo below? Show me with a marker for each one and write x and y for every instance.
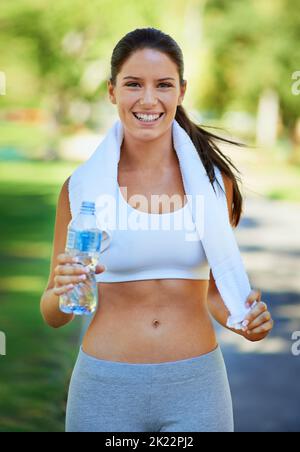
(259, 319)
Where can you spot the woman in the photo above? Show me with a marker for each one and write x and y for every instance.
(150, 360)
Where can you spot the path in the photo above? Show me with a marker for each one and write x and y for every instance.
(264, 376)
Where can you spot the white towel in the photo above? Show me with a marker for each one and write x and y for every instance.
(97, 180)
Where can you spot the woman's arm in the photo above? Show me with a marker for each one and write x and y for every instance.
(220, 313)
(49, 303)
(64, 271)
(50, 310)
(260, 321)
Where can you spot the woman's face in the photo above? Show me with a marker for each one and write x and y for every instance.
(146, 93)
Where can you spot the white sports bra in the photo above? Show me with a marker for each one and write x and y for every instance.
(153, 246)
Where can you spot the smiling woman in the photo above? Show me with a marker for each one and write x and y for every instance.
(147, 96)
(152, 337)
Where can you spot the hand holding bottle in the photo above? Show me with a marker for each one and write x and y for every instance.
(69, 272)
(84, 244)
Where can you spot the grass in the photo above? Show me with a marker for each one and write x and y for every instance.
(19, 139)
(288, 184)
(279, 179)
(267, 173)
(34, 375)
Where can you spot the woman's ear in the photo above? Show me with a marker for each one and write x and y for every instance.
(182, 92)
(111, 92)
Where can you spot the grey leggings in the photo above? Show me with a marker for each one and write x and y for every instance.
(190, 395)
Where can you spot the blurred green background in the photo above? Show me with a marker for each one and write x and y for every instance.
(242, 63)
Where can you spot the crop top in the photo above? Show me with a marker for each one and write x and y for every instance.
(153, 246)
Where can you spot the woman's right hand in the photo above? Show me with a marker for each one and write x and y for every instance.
(69, 272)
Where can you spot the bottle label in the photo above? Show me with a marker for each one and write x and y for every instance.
(84, 241)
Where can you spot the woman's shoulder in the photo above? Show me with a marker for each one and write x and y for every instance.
(63, 200)
(228, 186)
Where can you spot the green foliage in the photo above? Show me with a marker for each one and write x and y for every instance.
(61, 38)
(254, 45)
(35, 373)
(52, 50)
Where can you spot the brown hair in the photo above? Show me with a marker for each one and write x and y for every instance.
(204, 141)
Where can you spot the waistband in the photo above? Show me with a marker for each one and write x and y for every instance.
(170, 371)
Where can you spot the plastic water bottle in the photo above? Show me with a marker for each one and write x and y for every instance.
(83, 242)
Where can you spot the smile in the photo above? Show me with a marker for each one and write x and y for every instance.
(148, 119)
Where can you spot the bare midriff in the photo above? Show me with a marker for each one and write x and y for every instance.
(151, 321)
(157, 320)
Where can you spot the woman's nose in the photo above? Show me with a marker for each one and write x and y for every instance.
(148, 98)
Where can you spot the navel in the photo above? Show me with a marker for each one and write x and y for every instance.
(155, 323)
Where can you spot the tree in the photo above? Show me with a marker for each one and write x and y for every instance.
(253, 49)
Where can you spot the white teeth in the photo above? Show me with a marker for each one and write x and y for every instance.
(148, 118)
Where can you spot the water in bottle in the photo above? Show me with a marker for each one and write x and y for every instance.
(83, 242)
